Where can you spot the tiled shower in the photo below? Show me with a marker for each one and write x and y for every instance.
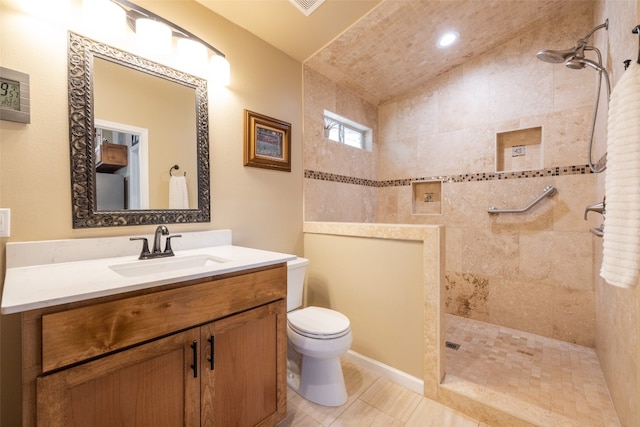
(530, 271)
(438, 158)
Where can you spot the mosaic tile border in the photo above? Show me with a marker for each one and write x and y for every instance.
(483, 176)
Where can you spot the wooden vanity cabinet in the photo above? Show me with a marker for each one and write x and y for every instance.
(165, 376)
(148, 385)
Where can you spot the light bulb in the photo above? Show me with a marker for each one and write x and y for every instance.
(192, 55)
(153, 36)
(104, 17)
(448, 39)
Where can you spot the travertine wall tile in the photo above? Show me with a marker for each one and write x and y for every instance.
(577, 193)
(490, 254)
(570, 321)
(566, 136)
(447, 127)
(319, 95)
(467, 295)
(433, 149)
(560, 259)
(398, 159)
(417, 115)
(521, 305)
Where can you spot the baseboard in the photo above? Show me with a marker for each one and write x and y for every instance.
(392, 374)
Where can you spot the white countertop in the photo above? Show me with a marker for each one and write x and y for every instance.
(38, 279)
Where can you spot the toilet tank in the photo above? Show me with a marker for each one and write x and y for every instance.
(296, 270)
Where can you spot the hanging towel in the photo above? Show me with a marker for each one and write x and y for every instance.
(621, 240)
(178, 195)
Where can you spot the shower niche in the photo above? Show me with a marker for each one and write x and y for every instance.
(519, 150)
(426, 198)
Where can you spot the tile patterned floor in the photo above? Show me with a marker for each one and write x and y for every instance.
(557, 376)
(373, 402)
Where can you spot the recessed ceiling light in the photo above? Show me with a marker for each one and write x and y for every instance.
(448, 38)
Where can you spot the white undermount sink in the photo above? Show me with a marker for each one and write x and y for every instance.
(165, 265)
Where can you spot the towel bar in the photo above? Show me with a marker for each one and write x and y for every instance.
(548, 192)
(176, 167)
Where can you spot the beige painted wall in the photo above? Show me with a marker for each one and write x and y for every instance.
(262, 207)
(378, 284)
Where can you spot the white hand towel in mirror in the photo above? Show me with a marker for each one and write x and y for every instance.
(178, 194)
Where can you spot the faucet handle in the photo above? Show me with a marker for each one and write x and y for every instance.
(145, 247)
(167, 246)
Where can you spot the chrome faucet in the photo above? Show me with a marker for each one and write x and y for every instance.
(161, 230)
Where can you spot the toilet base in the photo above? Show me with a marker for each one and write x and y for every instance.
(320, 381)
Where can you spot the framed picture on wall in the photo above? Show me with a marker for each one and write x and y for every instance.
(267, 142)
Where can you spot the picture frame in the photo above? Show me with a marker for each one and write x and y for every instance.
(267, 142)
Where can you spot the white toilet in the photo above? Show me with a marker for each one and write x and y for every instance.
(317, 337)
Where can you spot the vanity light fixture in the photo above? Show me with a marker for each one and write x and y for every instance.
(105, 17)
(220, 69)
(138, 20)
(448, 38)
(153, 36)
(193, 54)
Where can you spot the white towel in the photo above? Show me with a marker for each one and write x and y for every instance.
(178, 195)
(621, 245)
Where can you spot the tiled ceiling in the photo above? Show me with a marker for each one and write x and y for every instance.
(382, 50)
(393, 49)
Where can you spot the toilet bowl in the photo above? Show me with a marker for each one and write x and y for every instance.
(316, 338)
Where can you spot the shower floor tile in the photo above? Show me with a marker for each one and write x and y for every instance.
(554, 375)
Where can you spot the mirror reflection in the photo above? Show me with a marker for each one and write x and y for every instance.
(131, 121)
(130, 104)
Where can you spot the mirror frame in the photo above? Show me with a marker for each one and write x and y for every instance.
(81, 51)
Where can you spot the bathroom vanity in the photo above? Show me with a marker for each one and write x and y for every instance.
(191, 345)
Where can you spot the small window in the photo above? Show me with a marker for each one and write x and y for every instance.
(345, 131)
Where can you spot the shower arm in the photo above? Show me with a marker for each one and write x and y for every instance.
(585, 39)
(582, 44)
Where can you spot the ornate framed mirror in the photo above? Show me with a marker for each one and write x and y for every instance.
(171, 109)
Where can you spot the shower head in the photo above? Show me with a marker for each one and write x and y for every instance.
(563, 56)
(576, 63)
(556, 56)
(575, 59)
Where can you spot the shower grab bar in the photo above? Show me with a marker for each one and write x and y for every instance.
(548, 192)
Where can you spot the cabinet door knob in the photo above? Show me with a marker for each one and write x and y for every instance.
(194, 366)
(211, 357)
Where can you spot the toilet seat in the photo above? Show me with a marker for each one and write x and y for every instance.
(319, 323)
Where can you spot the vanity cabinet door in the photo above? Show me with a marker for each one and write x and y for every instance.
(244, 384)
(152, 384)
